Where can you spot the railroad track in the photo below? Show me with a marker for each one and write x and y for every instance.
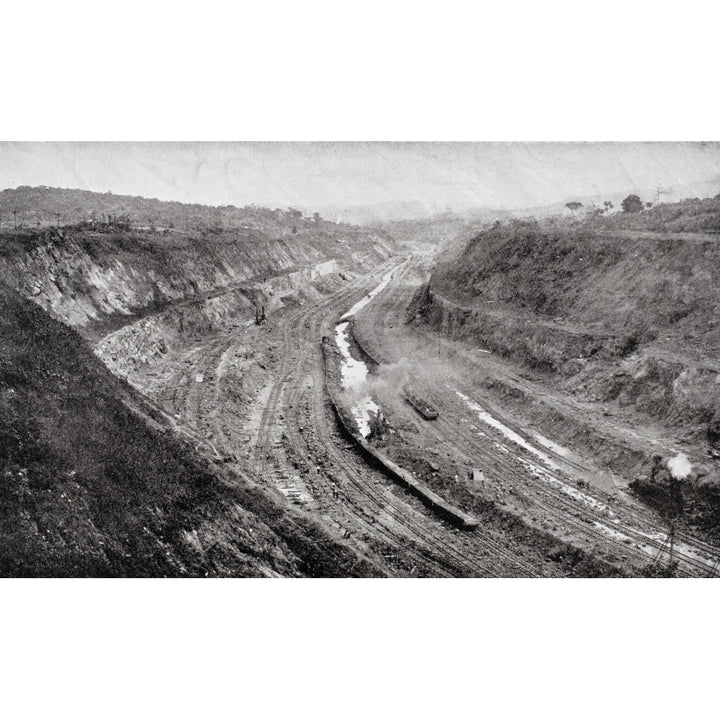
(557, 504)
(447, 558)
(288, 366)
(439, 555)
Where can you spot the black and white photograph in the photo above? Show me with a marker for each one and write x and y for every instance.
(359, 360)
(355, 359)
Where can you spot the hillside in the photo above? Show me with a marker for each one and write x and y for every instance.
(98, 272)
(97, 479)
(692, 215)
(43, 206)
(94, 483)
(578, 303)
(630, 288)
(609, 319)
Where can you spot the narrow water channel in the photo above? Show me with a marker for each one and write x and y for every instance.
(354, 373)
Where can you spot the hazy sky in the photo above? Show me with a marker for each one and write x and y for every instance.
(438, 175)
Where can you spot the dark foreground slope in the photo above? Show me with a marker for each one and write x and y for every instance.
(92, 484)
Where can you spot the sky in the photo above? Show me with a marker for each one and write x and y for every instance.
(437, 176)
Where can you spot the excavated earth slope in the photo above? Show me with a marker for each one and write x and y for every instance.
(625, 323)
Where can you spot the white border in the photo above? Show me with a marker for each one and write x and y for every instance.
(370, 71)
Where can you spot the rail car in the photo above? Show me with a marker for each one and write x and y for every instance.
(421, 406)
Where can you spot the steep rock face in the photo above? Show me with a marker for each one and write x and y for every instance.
(85, 278)
(147, 340)
(521, 336)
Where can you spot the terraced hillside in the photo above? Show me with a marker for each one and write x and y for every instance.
(569, 301)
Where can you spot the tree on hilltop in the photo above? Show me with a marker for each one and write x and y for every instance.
(573, 206)
(632, 204)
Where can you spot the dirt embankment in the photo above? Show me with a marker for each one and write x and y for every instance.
(622, 327)
(623, 321)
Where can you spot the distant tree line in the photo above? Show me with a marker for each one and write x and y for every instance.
(40, 206)
(631, 204)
